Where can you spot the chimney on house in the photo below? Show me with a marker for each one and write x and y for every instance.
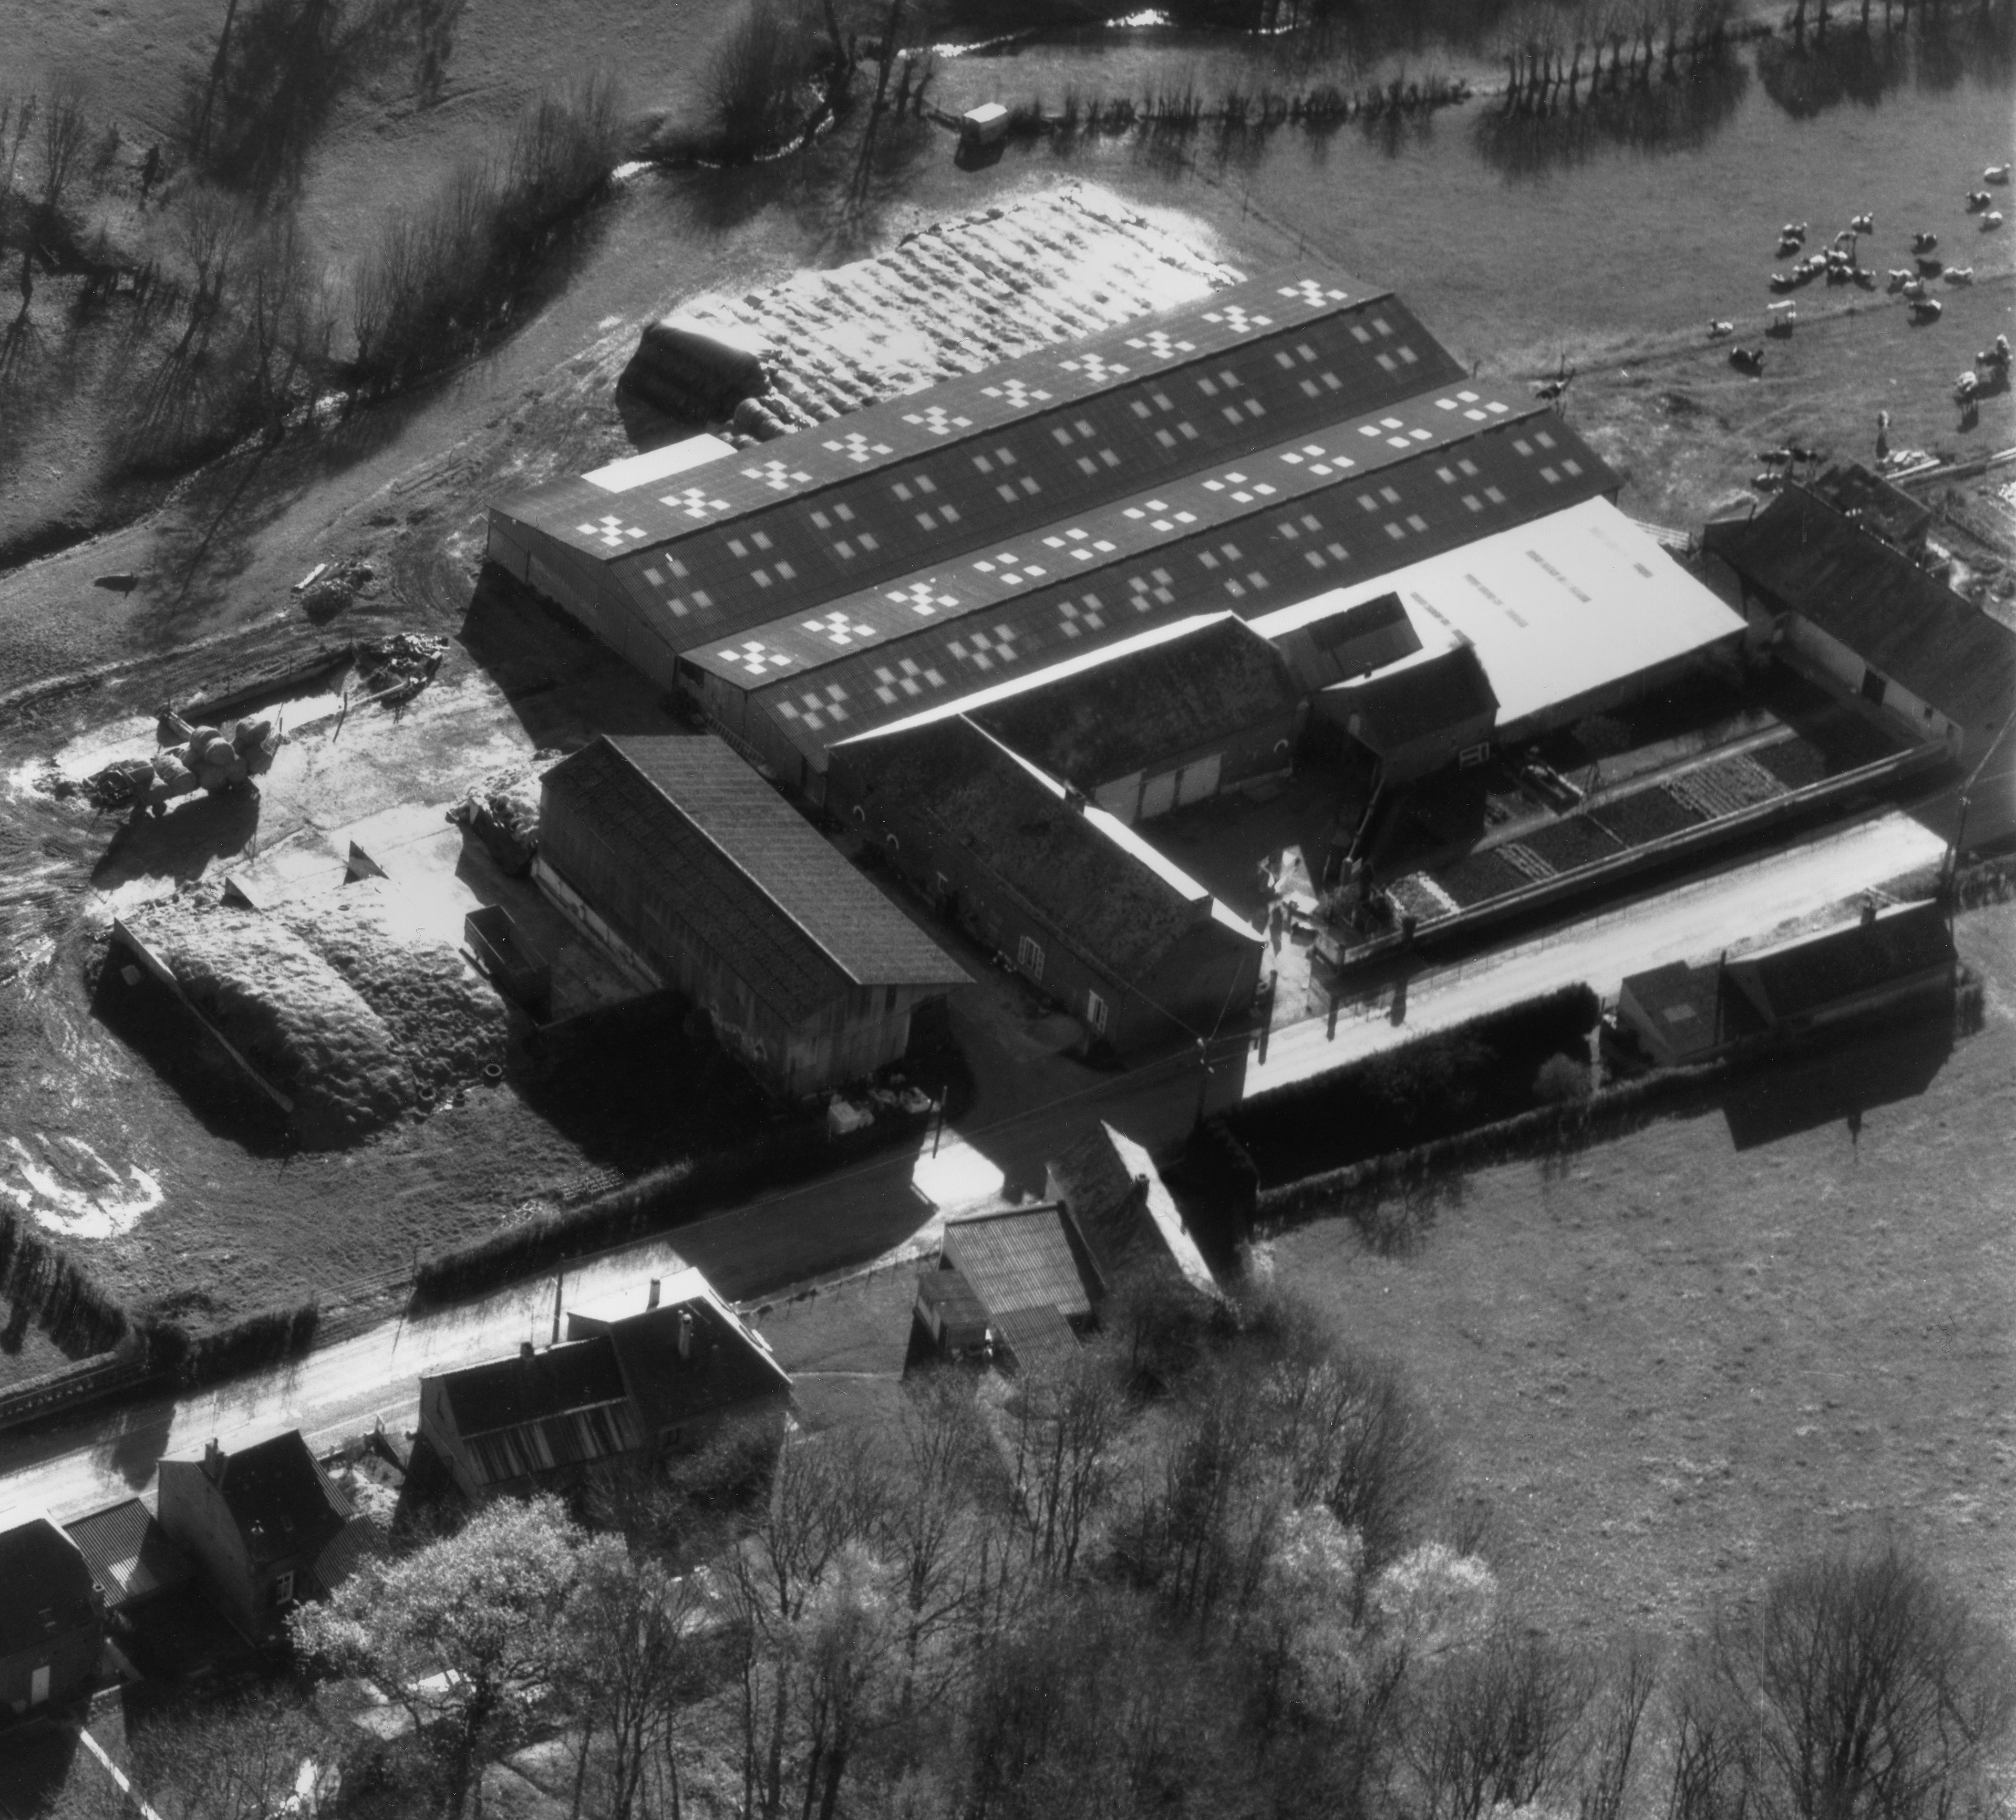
(213, 1462)
(651, 1299)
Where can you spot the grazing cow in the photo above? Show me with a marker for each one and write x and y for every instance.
(1977, 200)
(1720, 331)
(1793, 231)
(1863, 225)
(1786, 281)
(1931, 268)
(1924, 242)
(1898, 281)
(1996, 174)
(1783, 317)
(1926, 310)
(1965, 389)
(1747, 360)
(1787, 248)
(1774, 457)
(1958, 275)
(1990, 222)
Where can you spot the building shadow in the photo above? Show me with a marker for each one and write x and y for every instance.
(181, 842)
(1840, 1084)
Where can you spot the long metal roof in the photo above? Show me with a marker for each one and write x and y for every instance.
(1424, 479)
(1358, 338)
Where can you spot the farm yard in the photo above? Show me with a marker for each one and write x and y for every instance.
(1674, 1357)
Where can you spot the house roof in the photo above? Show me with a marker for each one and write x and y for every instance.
(45, 1586)
(1183, 695)
(686, 1357)
(1118, 1201)
(952, 1295)
(1121, 903)
(1038, 1334)
(1444, 690)
(1900, 621)
(525, 1414)
(1876, 504)
(1679, 1001)
(1812, 973)
(1021, 1259)
(281, 1499)
(705, 834)
(129, 1552)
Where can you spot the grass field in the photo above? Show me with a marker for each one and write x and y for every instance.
(1671, 1362)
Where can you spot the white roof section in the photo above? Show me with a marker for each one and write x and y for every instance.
(1163, 1210)
(656, 464)
(1555, 608)
(1071, 666)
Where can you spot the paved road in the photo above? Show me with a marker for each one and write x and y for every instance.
(1029, 1106)
(1736, 909)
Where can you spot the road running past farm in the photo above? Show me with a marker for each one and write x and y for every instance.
(1741, 908)
(894, 1207)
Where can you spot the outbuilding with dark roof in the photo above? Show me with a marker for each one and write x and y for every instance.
(1850, 610)
(1416, 717)
(1071, 896)
(676, 854)
(1171, 723)
(1902, 956)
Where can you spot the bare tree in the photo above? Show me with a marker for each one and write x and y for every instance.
(1496, 1723)
(239, 1760)
(1067, 1417)
(1630, 1680)
(1871, 1689)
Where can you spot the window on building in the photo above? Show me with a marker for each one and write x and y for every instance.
(1095, 1011)
(283, 1589)
(1029, 957)
(1873, 688)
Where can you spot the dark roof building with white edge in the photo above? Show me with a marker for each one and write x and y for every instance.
(51, 1618)
(1069, 895)
(675, 854)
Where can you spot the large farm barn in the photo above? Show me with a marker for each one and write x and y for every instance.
(1298, 435)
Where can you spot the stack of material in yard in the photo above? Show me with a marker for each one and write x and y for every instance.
(396, 669)
(503, 813)
(446, 1022)
(693, 370)
(292, 1016)
(953, 299)
(208, 758)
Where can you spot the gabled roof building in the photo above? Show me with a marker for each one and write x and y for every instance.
(263, 1525)
(674, 853)
(1853, 611)
(1028, 1267)
(51, 1620)
(1118, 1201)
(638, 1374)
(1074, 899)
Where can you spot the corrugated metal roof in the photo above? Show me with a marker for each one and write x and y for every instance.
(728, 857)
(875, 528)
(1038, 1337)
(1187, 513)
(954, 778)
(1556, 607)
(1017, 1260)
(1900, 621)
(575, 1437)
(1042, 384)
(129, 1552)
(1115, 718)
(1155, 567)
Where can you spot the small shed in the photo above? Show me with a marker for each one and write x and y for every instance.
(1419, 716)
(52, 1620)
(955, 1317)
(130, 1556)
(1675, 1012)
(1028, 1267)
(1117, 1198)
(1890, 960)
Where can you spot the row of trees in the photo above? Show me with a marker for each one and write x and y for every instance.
(1212, 1566)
